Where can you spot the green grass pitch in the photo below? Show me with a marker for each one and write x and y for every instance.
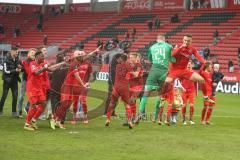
(148, 141)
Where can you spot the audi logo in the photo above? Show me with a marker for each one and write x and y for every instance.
(102, 76)
(10, 8)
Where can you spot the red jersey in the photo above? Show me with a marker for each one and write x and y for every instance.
(207, 86)
(70, 78)
(121, 72)
(26, 65)
(85, 70)
(188, 85)
(45, 78)
(137, 81)
(183, 55)
(35, 82)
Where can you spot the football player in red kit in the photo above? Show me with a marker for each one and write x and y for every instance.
(188, 96)
(206, 72)
(167, 96)
(121, 89)
(183, 52)
(85, 70)
(135, 80)
(72, 88)
(35, 90)
(45, 79)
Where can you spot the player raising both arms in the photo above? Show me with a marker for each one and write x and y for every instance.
(159, 54)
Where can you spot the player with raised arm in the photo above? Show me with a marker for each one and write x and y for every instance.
(85, 70)
(71, 88)
(183, 52)
(35, 90)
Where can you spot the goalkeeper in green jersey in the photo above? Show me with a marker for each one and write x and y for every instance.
(159, 55)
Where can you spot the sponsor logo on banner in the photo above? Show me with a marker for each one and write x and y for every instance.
(102, 76)
(228, 87)
(136, 5)
(85, 7)
(10, 8)
(1, 67)
(168, 4)
(234, 3)
(230, 78)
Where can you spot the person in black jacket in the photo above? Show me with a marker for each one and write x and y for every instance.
(57, 78)
(11, 68)
(217, 76)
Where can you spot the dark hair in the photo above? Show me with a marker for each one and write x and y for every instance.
(38, 53)
(117, 56)
(188, 35)
(40, 48)
(124, 57)
(207, 64)
(14, 48)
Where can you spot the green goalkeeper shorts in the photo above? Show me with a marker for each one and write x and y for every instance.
(156, 78)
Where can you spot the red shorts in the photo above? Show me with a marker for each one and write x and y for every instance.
(175, 110)
(188, 97)
(70, 92)
(210, 104)
(168, 97)
(122, 92)
(180, 73)
(36, 97)
(206, 90)
(136, 91)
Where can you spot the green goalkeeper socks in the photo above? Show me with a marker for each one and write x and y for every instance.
(157, 108)
(143, 104)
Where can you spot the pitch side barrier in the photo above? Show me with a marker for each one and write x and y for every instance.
(230, 83)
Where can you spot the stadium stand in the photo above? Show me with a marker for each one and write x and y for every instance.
(69, 29)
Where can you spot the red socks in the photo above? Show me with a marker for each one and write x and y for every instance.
(204, 113)
(83, 100)
(209, 113)
(133, 109)
(160, 113)
(184, 112)
(169, 112)
(191, 112)
(31, 113)
(129, 113)
(39, 111)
